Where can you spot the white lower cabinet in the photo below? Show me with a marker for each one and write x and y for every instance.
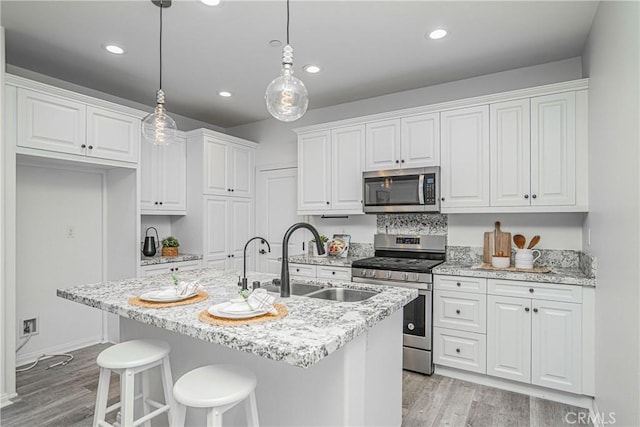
(309, 271)
(172, 267)
(459, 349)
(532, 340)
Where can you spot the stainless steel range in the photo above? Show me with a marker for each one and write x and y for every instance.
(407, 261)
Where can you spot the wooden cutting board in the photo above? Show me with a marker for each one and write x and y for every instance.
(494, 242)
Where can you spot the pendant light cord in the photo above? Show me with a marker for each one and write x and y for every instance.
(287, 21)
(161, 7)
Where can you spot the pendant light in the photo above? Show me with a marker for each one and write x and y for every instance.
(158, 128)
(287, 98)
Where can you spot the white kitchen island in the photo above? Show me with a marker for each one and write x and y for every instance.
(326, 363)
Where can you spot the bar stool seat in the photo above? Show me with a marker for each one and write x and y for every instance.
(218, 388)
(128, 359)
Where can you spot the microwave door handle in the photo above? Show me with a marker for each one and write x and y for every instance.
(421, 189)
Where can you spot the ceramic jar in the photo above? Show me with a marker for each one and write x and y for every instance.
(525, 258)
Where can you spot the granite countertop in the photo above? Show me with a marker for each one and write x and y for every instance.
(562, 275)
(327, 260)
(159, 259)
(313, 328)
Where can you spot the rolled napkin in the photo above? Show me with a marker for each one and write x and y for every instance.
(187, 288)
(260, 300)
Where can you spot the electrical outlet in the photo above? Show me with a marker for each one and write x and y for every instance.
(30, 327)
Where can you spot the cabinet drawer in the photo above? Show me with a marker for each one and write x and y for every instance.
(459, 283)
(543, 291)
(458, 349)
(462, 311)
(337, 273)
(302, 270)
(172, 267)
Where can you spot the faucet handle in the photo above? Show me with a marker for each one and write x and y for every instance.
(276, 282)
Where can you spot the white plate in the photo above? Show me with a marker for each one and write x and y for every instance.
(218, 311)
(165, 295)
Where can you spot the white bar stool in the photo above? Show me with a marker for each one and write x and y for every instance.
(128, 359)
(218, 388)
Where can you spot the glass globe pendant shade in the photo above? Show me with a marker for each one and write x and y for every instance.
(158, 128)
(286, 96)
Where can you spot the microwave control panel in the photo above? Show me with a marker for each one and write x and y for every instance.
(430, 189)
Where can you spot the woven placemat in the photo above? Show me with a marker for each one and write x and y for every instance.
(206, 317)
(200, 296)
(486, 266)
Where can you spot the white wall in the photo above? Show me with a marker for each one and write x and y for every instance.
(49, 201)
(611, 61)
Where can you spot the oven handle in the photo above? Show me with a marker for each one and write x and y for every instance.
(421, 286)
(421, 189)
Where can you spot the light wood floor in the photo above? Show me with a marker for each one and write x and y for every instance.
(65, 396)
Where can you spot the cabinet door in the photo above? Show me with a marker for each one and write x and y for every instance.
(241, 220)
(112, 135)
(465, 157)
(383, 145)
(148, 177)
(420, 141)
(314, 171)
(172, 175)
(553, 149)
(216, 229)
(510, 153)
(347, 162)
(460, 310)
(242, 169)
(557, 345)
(509, 338)
(50, 123)
(215, 167)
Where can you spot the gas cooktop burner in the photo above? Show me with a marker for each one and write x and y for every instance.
(397, 264)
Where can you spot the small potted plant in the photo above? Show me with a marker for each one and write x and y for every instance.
(325, 240)
(170, 246)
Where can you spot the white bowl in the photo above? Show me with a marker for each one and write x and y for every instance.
(500, 261)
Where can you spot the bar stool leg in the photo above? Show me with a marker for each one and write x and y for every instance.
(102, 396)
(214, 417)
(179, 415)
(251, 409)
(167, 386)
(127, 385)
(145, 395)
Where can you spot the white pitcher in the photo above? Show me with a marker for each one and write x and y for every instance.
(525, 258)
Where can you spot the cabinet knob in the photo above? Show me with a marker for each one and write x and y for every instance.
(333, 272)
(297, 270)
(228, 256)
(442, 198)
(526, 309)
(457, 311)
(533, 196)
(535, 310)
(83, 146)
(402, 161)
(232, 190)
(155, 203)
(91, 147)
(327, 202)
(457, 350)
(233, 256)
(458, 284)
(171, 269)
(176, 268)
(397, 161)
(160, 203)
(526, 196)
(531, 290)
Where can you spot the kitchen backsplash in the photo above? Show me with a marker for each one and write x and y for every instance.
(412, 223)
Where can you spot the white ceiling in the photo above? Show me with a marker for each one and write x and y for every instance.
(366, 48)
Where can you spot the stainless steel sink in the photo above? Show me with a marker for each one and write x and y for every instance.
(296, 288)
(341, 294)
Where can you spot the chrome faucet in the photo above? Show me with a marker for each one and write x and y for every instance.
(243, 282)
(285, 287)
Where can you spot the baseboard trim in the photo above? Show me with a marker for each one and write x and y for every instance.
(586, 402)
(5, 399)
(57, 349)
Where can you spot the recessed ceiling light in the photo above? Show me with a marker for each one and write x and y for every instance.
(311, 69)
(437, 34)
(224, 93)
(116, 50)
(211, 2)
(275, 43)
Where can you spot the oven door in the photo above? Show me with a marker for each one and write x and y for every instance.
(416, 325)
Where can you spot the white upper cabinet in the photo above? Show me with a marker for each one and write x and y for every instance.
(465, 157)
(57, 124)
(553, 149)
(408, 142)
(330, 164)
(229, 168)
(163, 178)
(510, 153)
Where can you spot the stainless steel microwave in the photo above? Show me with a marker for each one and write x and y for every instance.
(401, 190)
